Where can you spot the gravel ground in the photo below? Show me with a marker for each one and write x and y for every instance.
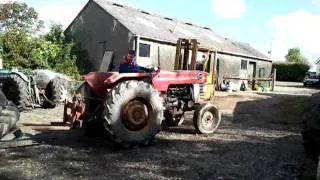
(258, 139)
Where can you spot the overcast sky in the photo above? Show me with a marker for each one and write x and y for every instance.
(265, 24)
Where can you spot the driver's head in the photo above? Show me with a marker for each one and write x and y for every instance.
(131, 55)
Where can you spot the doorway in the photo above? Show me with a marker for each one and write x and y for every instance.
(252, 73)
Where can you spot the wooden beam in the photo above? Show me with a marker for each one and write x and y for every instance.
(177, 62)
(194, 44)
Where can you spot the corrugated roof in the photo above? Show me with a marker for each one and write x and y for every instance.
(168, 29)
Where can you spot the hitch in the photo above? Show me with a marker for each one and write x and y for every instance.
(73, 111)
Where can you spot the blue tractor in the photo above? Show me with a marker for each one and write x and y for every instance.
(42, 88)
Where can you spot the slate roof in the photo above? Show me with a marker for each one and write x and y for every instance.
(168, 29)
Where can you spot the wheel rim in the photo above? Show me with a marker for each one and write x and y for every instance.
(208, 120)
(135, 114)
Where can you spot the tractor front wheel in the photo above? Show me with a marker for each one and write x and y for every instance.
(206, 118)
(134, 113)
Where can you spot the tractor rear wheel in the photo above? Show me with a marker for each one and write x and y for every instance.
(9, 115)
(134, 113)
(56, 90)
(16, 90)
(206, 118)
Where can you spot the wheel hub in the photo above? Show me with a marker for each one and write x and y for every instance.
(208, 120)
(135, 115)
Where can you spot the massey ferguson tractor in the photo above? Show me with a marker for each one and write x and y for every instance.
(132, 107)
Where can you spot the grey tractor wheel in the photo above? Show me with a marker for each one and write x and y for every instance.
(173, 121)
(57, 90)
(9, 115)
(17, 91)
(134, 113)
(207, 118)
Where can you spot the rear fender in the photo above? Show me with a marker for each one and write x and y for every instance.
(101, 82)
(95, 80)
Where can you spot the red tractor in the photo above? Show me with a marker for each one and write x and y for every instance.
(131, 107)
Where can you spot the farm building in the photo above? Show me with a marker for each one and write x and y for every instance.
(318, 66)
(104, 31)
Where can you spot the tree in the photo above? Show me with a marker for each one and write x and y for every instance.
(19, 16)
(20, 48)
(56, 34)
(294, 56)
(65, 61)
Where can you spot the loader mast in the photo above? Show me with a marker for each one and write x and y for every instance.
(183, 62)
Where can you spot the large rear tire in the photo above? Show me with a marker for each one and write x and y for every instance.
(9, 115)
(207, 118)
(56, 91)
(134, 113)
(17, 91)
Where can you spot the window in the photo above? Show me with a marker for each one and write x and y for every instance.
(244, 64)
(144, 50)
(262, 72)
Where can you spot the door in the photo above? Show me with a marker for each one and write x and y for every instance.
(252, 73)
(106, 60)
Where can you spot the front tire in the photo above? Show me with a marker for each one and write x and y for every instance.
(56, 90)
(206, 119)
(134, 113)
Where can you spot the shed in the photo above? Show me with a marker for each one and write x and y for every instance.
(104, 31)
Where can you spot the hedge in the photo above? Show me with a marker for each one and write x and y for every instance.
(293, 72)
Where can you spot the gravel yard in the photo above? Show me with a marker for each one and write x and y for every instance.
(259, 139)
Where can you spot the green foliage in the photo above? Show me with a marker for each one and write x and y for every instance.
(16, 48)
(294, 56)
(294, 72)
(20, 48)
(65, 60)
(19, 16)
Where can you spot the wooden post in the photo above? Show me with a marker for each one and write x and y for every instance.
(194, 44)
(177, 62)
(185, 61)
(158, 56)
(274, 78)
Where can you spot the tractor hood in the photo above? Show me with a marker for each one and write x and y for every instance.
(100, 82)
(163, 79)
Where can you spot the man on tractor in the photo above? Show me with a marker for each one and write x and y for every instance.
(129, 65)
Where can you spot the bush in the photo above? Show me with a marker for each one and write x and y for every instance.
(293, 72)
